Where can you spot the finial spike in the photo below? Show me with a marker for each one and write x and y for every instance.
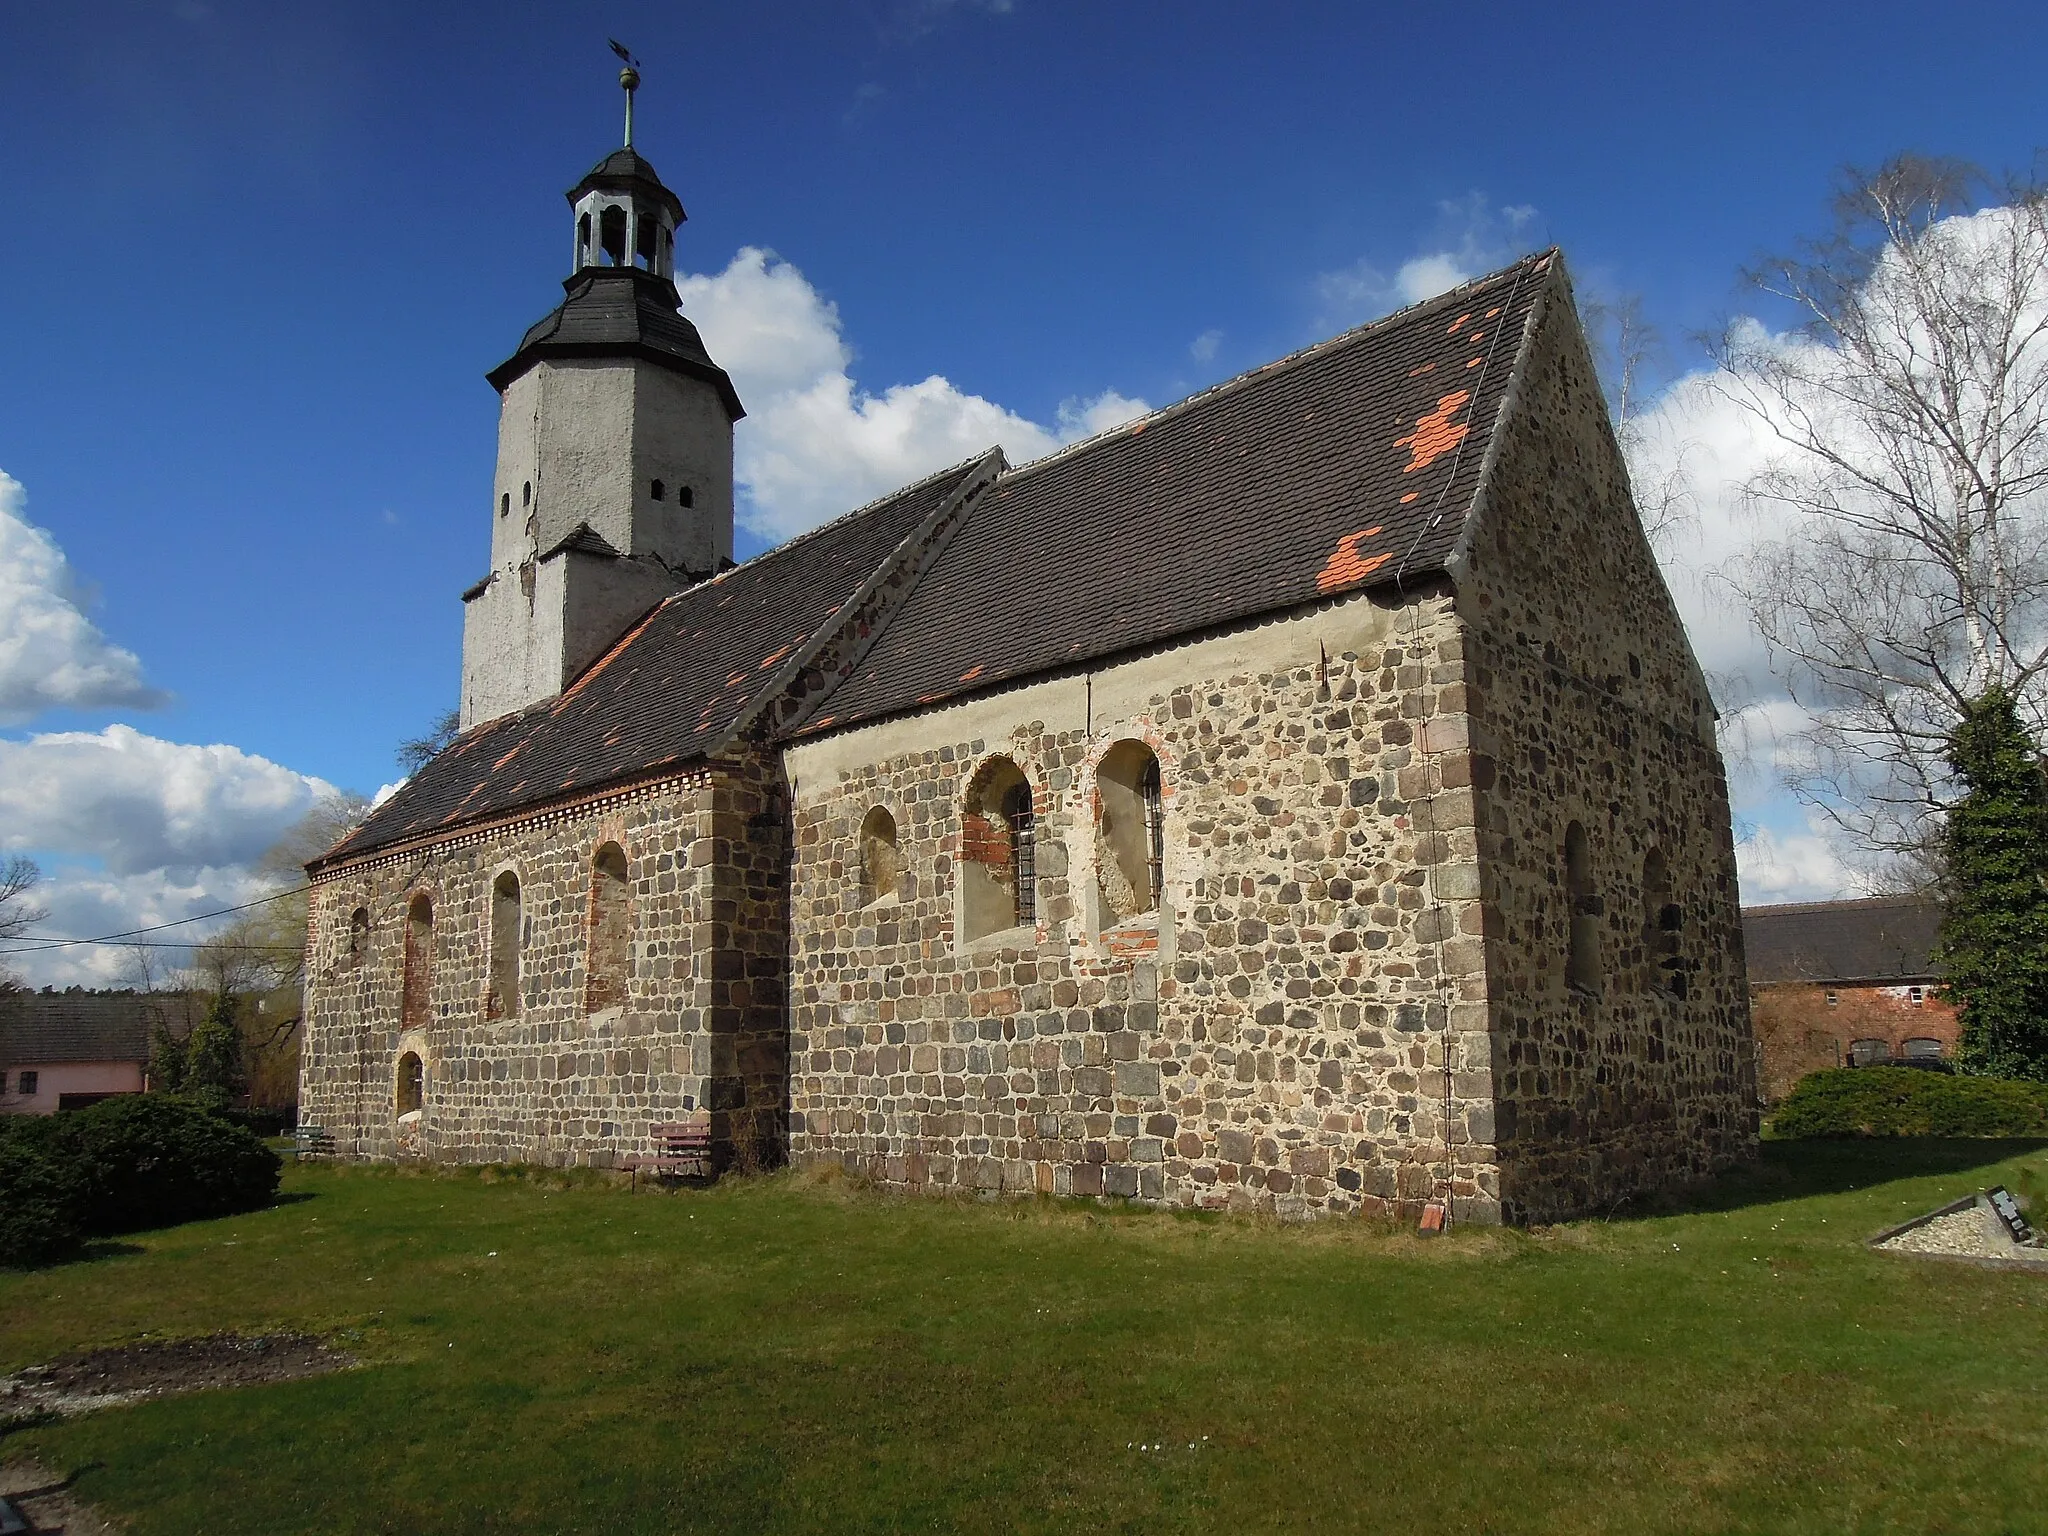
(629, 79)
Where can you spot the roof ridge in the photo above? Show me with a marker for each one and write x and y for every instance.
(1840, 904)
(796, 539)
(1286, 363)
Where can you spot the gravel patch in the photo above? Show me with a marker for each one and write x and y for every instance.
(1958, 1232)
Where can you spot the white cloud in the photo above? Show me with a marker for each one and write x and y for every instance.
(51, 655)
(815, 443)
(134, 831)
(1777, 866)
(1472, 238)
(1203, 348)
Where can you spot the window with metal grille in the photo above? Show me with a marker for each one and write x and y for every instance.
(1023, 850)
(1155, 828)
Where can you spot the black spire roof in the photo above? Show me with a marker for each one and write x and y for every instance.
(627, 170)
(619, 312)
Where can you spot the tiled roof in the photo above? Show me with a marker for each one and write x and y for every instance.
(671, 689)
(619, 312)
(1877, 939)
(1333, 469)
(41, 1027)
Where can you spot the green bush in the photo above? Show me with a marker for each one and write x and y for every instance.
(124, 1164)
(1898, 1101)
(39, 1197)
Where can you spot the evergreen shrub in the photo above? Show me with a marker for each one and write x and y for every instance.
(39, 1196)
(1898, 1101)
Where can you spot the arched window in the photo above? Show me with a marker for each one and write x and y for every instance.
(1869, 1053)
(358, 935)
(611, 937)
(1663, 929)
(998, 852)
(1582, 960)
(611, 234)
(1921, 1050)
(411, 1094)
(502, 1000)
(1130, 841)
(881, 863)
(647, 243)
(583, 241)
(417, 989)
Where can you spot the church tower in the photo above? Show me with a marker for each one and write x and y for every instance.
(614, 483)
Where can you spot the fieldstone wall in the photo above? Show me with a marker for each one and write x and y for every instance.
(554, 1081)
(1273, 1038)
(1588, 707)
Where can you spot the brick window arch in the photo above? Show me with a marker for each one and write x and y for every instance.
(611, 932)
(1582, 955)
(501, 1001)
(1130, 832)
(410, 1091)
(998, 851)
(416, 990)
(881, 860)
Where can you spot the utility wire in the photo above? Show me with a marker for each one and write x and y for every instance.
(34, 942)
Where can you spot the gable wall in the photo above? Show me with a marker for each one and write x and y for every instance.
(557, 1084)
(1589, 707)
(1276, 1043)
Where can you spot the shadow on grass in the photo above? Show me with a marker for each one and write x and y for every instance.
(1792, 1170)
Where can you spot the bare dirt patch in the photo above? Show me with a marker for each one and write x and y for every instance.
(133, 1373)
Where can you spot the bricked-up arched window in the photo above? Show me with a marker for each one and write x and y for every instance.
(411, 1092)
(358, 934)
(502, 1000)
(416, 992)
(998, 852)
(1129, 832)
(611, 934)
(881, 862)
(1663, 928)
(1582, 956)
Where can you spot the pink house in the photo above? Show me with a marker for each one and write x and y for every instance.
(64, 1050)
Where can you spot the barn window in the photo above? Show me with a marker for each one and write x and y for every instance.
(1916, 995)
(417, 987)
(881, 862)
(1834, 998)
(502, 1000)
(1922, 1050)
(1582, 960)
(411, 1093)
(1869, 1053)
(998, 852)
(1663, 928)
(610, 935)
(358, 934)
(1129, 832)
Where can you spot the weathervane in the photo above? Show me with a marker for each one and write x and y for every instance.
(629, 77)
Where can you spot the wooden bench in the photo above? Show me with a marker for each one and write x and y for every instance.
(312, 1141)
(681, 1150)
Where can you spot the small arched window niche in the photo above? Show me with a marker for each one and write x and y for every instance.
(1663, 929)
(998, 852)
(358, 949)
(881, 861)
(501, 1001)
(416, 990)
(611, 934)
(1582, 956)
(1130, 834)
(410, 1093)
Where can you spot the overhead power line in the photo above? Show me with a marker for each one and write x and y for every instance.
(30, 943)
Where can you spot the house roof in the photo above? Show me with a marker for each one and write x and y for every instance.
(1354, 463)
(1351, 464)
(1877, 939)
(672, 689)
(619, 312)
(77, 1025)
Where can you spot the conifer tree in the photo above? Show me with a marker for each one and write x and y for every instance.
(1994, 932)
(214, 1074)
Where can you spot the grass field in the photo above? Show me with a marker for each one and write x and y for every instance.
(780, 1355)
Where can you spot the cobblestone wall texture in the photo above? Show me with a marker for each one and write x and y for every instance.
(554, 1082)
(1588, 707)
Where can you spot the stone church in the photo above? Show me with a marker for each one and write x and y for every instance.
(1301, 798)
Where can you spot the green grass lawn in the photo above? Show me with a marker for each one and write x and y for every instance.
(776, 1355)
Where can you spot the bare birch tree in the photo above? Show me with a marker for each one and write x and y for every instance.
(1909, 480)
(19, 876)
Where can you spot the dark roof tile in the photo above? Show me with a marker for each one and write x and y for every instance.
(1876, 939)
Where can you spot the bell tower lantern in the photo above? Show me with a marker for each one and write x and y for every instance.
(614, 485)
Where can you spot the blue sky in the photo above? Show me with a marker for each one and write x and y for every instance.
(262, 256)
